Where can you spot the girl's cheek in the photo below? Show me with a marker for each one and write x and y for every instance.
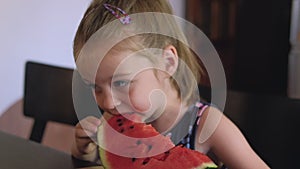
(140, 101)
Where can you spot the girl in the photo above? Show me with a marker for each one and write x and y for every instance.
(138, 62)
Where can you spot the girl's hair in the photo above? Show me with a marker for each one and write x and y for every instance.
(98, 16)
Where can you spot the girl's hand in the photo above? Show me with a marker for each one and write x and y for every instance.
(84, 146)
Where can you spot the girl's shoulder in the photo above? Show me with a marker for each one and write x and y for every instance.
(203, 109)
(203, 106)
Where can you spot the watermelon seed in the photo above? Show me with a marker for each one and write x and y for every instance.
(167, 153)
(120, 124)
(119, 120)
(131, 127)
(122, 130)
(133, 159)
(138, 142)
(146, 161)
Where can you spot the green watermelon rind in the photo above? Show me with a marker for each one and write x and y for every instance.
(104, 161)
(209, 165)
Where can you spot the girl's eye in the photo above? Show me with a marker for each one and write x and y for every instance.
(121, 83)
(91, 85)
(95, 87)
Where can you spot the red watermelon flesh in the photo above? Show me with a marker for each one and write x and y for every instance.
(131, 139)
(146, 148)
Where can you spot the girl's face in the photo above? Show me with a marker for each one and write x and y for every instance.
(128, 83)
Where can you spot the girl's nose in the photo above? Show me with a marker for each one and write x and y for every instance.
(114, 108)
(109, 103)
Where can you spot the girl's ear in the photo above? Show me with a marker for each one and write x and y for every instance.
(170, 59)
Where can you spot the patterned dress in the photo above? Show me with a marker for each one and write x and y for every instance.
(184, 132)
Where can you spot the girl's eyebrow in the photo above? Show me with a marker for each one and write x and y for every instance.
(89, 83)
(120, 75)
(85, 81)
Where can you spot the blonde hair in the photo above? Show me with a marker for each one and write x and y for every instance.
(97, 16)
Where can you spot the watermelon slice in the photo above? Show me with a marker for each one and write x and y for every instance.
(124, 144)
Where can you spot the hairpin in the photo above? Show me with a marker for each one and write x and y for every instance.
(124, 19)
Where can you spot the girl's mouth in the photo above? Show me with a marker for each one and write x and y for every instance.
(134, 116)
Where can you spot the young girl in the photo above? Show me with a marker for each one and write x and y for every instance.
(138, 62)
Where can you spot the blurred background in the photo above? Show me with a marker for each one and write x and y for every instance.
(34, 30)
(253, 39)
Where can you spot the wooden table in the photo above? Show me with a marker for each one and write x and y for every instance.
(19, 153)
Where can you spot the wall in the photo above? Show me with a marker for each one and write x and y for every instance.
(262, 46)
(40, 31)
(34, 30)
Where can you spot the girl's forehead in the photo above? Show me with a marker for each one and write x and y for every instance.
(125, 62)
(120, 61)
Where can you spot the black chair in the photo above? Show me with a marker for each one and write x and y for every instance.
(48, 96)
(54, 93)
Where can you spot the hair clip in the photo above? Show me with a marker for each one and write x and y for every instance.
(124, 19)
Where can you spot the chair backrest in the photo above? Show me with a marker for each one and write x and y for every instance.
(48, 96)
